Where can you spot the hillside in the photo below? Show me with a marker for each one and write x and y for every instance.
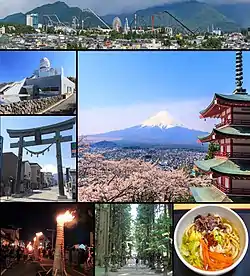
(104, 144)
(196, 15)
(239, 13)
(62, 10)
(193, 14)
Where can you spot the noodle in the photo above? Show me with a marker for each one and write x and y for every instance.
(210, 243)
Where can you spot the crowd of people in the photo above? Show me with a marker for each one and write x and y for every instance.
(9, 255)
(80, 256)
(77, 257)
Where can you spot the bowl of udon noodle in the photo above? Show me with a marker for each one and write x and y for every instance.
(211, 239)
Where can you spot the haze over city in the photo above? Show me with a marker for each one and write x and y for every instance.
(130, 87)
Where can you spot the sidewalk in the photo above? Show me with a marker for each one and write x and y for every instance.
(47, 194)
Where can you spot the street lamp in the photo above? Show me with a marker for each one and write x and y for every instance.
(59, 262)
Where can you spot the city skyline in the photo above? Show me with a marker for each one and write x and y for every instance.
(17, 65)
(133, 86)
(48, 160)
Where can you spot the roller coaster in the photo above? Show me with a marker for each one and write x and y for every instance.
(158, 21)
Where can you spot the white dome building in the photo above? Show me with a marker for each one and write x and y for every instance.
(44, 64)
(45, 69)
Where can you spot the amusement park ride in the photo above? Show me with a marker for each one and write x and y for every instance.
(157, 21)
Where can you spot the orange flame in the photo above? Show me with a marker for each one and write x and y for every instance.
(66, 217)
(39, 234)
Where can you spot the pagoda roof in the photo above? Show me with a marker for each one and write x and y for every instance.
(215, 107)
(234, 97)
(209, 194)
(229, 131)
(225, 166)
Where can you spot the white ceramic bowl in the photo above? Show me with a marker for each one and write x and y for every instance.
(226, 213)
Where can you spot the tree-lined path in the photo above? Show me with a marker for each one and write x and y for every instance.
(129, 232)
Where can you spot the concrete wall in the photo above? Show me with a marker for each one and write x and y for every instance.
(67, 86)
(35, 176)
(26, 171)
(45, 82)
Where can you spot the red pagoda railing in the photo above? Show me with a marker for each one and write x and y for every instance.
(233, 154)
(233, 122)
(223, 154)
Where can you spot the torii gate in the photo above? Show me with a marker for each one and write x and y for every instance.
(37, 133)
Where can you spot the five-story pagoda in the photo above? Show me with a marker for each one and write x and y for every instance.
(230, 167)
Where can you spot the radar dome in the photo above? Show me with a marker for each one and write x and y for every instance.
(44, 63)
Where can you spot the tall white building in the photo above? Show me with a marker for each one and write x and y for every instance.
(32, 20)
(29, 20)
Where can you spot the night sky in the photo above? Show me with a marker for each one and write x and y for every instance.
(37, 217)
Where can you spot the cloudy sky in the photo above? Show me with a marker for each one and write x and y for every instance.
(102, 7)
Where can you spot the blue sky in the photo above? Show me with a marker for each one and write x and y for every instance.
(122, 89)
(48, 160)
(17, 65)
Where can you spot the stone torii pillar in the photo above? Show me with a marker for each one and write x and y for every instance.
(59, 165)
(17, 184)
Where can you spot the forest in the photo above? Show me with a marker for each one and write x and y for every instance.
(126, 232)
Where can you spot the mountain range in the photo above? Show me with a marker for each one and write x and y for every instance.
(194, 14)
(160, 129)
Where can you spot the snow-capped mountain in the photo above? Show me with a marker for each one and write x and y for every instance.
(161, 129)
(162, 120)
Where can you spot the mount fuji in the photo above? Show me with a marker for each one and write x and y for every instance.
(160, 129)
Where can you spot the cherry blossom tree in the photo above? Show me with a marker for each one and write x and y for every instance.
(131, 180)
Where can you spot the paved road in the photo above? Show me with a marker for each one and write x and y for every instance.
(131, 271)
(23, 269)
(32, 269)
(67, 107)
(39, 196)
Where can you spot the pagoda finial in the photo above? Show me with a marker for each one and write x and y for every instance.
(239, 75)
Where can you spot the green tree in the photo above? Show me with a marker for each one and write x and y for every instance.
(153, 235)
(212, 149)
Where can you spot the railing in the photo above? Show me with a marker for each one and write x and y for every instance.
(233, 154)
(233, 122)
(222, 154)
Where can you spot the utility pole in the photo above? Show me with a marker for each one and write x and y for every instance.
(53, 233)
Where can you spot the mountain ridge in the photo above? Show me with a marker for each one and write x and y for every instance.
(194, 14)
(156, 133)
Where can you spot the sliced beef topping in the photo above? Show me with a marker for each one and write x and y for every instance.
(208, 223)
